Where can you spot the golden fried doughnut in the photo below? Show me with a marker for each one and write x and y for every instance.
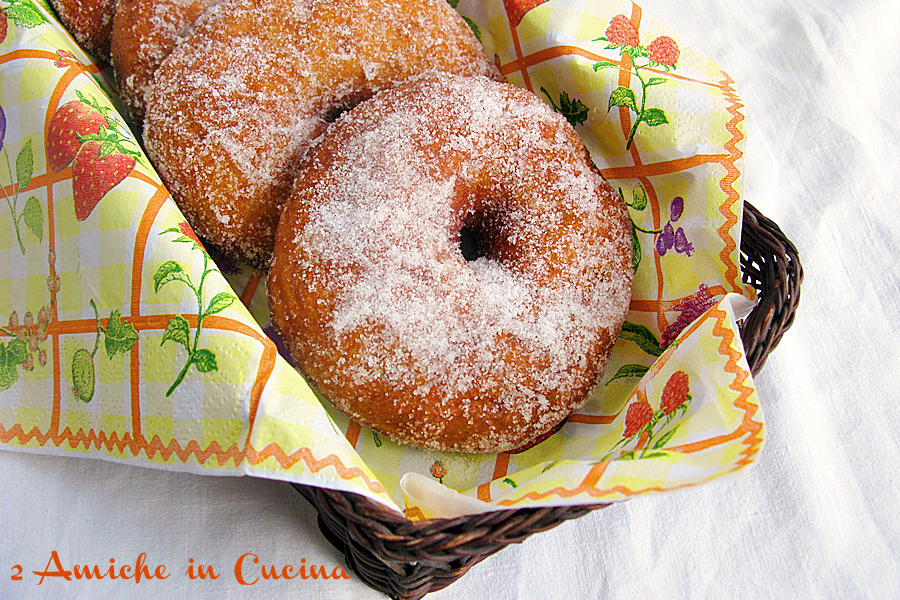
(90, 22)
(451, 269)
(144, 34)
(235, 106)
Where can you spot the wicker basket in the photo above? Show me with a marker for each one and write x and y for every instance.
(407, 559)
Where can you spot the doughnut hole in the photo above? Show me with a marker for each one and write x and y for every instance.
(333, 113)
(481, 235)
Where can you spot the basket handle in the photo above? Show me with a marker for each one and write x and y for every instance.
(771, 264)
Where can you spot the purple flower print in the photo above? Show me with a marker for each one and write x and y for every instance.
(669, 237)
(666, 240)
(676, 208)
(682, 245)
(689, 309)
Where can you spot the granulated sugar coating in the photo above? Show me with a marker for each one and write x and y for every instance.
(144, 34)
(451, 269)
(234, 107)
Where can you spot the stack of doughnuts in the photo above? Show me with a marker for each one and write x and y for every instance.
(445, 263)
(231, 93)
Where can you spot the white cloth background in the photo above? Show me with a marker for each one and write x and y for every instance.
(817, 517)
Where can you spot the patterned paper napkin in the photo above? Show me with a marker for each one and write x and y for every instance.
(125, 342)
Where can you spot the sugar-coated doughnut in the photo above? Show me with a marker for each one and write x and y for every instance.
(90, 22)
(233, 108)
(143, 35)
(451, 269)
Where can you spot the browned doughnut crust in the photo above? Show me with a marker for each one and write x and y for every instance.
(90, 22)
(234, 107)
(144, 34)
(384, 314)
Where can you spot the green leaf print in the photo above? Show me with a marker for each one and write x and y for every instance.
(623, 96)
(24, 166)
(664, 439)
(205, 361)
(32, 213)
(167, 272)
(120, 335)
(636, 252)
(178, 331)
(16, 352)
(574, 111)
(654, 117)
(24, 14)
(626, 371)
(34, 217)
(11, 356)
(643, 337)
(638, 197)
(220, 302)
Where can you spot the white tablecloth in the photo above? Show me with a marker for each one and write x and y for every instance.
(817, 517)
